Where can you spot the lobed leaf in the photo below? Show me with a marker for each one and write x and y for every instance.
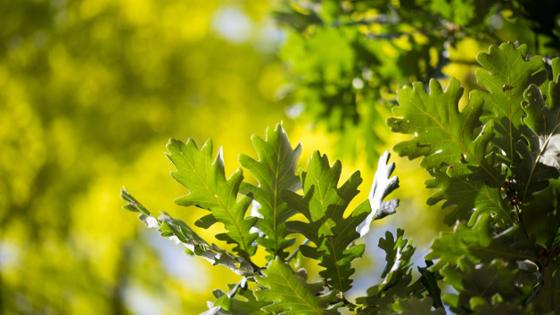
(209, 189)
(323, 205)
(275, 172)
(286, 292)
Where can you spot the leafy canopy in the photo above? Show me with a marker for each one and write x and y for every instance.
(494, 163)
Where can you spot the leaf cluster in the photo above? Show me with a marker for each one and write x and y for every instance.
(382, 45)
(494, 165)
(307, 215)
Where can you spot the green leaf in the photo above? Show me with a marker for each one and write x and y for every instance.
(287, 292)
(275, 172)
(453, 145)
(540, 159)
(209, 189)
(240, 300)
(471, 194)
(396, 277)
(442, 135)
(460, 246)
(505, 74)
(416, 306)
(323, 205)
(398, 252)
(482, 285)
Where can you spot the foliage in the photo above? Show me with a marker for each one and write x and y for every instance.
(494, 162)
(382, 45)
(318, 215)
(492, 179)
(89, 89)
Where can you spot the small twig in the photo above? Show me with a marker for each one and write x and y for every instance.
(241, 284)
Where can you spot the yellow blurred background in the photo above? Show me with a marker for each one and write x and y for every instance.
(90, 92)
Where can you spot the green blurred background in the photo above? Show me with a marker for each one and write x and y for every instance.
(90, 92)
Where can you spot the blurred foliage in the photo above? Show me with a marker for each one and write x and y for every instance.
(347, 58)
(89, 91)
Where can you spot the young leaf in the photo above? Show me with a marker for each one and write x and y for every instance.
(286, 292)
(240, 300)
(209, 189)
(275, 172)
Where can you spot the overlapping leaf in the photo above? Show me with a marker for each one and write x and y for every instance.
(471, 194)
(492, 161)
(505, 73)
(287, 292)
(453, 145)
(239, 300)
(396, 287)
(486, 286)
(416, 306)
(323, 205)
(539, 152)
(442, 135)
(275, 172)
(482, 265)
(209, 189)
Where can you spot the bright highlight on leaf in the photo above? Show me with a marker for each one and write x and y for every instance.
(382, 185)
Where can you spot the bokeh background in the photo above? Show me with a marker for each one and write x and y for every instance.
(90, 92)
